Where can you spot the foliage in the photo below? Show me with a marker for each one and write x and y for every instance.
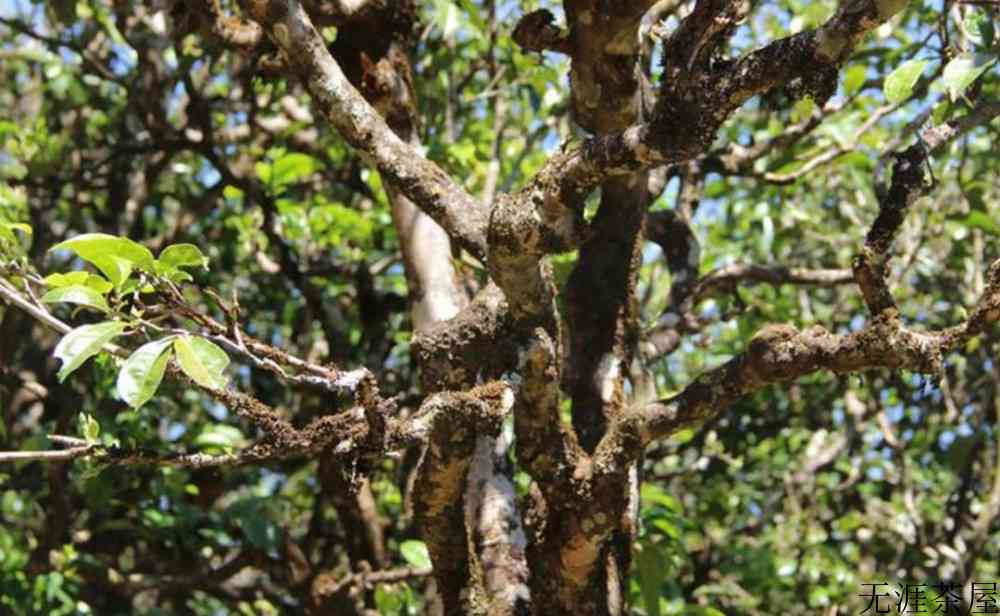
(125, 137)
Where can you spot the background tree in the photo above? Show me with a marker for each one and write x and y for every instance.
(664, 337)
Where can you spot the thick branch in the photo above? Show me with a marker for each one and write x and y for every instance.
(684, 122)
(499, 542)
(452, 424)
(400, 164)
(692, 44)
(782, 353)
(909, 182)
(478, 338)
(536, 31)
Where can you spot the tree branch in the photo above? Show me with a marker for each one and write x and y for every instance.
(781, 353)
(360, 125)
(684, 122)
(451, 423)
(909, 182)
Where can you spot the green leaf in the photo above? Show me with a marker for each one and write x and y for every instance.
(254, 518)
(899, 84)
(142, 372)
(220, 436)
(941, 112)
(77, 294)
(703, 610)
(116, 269)
(19, 226)
(99, 284)
(962, 71)
(82, 343)
(231, 192)
(980, 220)
(264, 172)
(182, 255)
(653, 567)
(67, 279)
(415, 552)
(682, 436)
(654, 495)
(202, 360)
(7, 230)
(979, 25)
(90, 429)
(135, 286)
(292, 168)
(854, 78)
(116, 257)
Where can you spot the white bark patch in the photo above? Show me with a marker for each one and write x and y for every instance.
(632, 508)
(607, 376)
(491, 510)
(158, 23)
(352, 6)
(281, 33)
(694, 256)
(670, 319)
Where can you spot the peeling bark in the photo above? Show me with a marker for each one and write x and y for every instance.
(454, 423)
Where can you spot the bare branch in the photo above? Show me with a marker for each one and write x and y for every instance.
(359, 123)
(364, 579)
(58, 455)
(781, 353)
(737, 159)
(114, 456)
(13, 296)
(536, 31)
(909, 182)
(684, 123)
(728, 277)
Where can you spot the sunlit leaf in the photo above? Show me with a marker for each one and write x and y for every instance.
(116, 257)
(202, 360)
(980, 28)
(16, 226)
(90, 429)
(980, 220)
(182, 255)
(82, 343)
(292, 168)
(654, 495)
(77, 294)
(220, 436)
(854, 78)
(962, 71)
(899, 83)
(415, 552)
(65, 280)
(142, 372)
